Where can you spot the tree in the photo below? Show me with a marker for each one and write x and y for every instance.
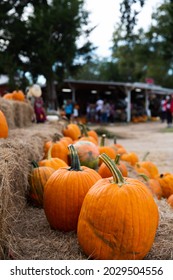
(45, 42)
(160, 42)
(129, 13)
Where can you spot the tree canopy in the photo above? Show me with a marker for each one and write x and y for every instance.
(41, 38)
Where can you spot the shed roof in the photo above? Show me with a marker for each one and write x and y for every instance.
(86, 84)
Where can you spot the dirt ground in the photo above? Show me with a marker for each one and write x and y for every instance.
(152, 137)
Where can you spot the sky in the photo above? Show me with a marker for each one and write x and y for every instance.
(105, 13)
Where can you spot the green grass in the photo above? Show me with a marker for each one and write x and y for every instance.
(109, 134)
(167, 130)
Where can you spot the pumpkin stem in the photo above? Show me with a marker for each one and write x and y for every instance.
(84, 130)
(49, 154)
(56, 137)
(102, 141)
(34, 164)
(115, 140)
(117, 159)
(116, 173)
(145, 156)
(75, 162)
(145, 177)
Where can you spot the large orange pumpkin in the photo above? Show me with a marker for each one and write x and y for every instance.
(3, 126)
(65, 191)
(115, 221)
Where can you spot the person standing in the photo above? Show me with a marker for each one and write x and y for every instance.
(163, 109)
(68, 109)
(99, 106)
(169, 111)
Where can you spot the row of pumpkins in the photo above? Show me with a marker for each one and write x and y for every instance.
(83, 186)
(17, 95)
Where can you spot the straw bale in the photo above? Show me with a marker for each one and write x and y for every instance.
(16, 153)
(18, 113)
(6, 106)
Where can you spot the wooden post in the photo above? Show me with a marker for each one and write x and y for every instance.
(128, 110)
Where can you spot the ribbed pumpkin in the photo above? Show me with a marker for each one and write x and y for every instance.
(151, 168)
(8, 96)
(65, 191)
(72, 130)
(59, 149)
(119, 149)
(106, 148)
(55, 163)
(115, 222)
(105, 172)
(94, 134)
(85, 135)
(55, 138)
(140, 169)
(166, 182)
(18, 95)
(37, 180)
(88, 153)
(3, 126)
(130, 157)
(153, 185)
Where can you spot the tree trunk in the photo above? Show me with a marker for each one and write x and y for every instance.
(52, 95)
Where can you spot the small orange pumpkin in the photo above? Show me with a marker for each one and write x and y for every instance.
(140, 169)
(88, 153)
(153, 185)
(18, 95)
(105, 172)
(72, 130)
(166, 182)
(151, 168)
(55, 163)
(37, 180)
(3, 126)
(106, 149)
(130, 157)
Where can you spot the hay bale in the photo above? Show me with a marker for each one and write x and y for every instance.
(6, 106)
(17, 113)
(16, 153)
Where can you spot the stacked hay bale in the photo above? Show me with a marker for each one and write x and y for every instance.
(18, 114)
(16, 154)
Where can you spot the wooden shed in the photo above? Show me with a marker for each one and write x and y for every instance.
(82, 92)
